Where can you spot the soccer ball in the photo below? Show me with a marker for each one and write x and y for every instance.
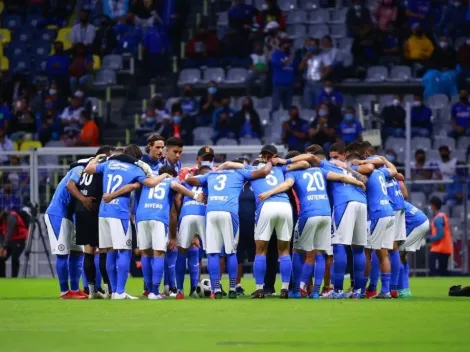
(204, 288)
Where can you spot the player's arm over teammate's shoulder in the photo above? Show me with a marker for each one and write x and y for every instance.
(75, 192)
(230, 165)
(312, 159)
(94, 167)
(336, 177)
(261, 172)
(178, 187)
(108, 197)
(280, 188)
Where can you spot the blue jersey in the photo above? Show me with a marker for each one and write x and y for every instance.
(190, 206)
(117, 174)
(224, 188)
(378, 203)
(262, 185)
(342, 192)
(155, 203)
(310, 187)
(60, 201)
(176, 166)
(397, 201)
(413, 217)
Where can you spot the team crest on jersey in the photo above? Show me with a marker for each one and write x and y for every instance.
(128, 243)
(61, 247)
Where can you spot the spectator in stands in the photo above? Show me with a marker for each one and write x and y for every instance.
(223, 124)
(446, 166)
(357, 15)
(95, 10)
(6, 145)
(51, 128)
(83, 32)
(116, 9)
(283, 75)
(235, 55)
(148, 120)
(391, 44)
(129, 35)
(295, 131)
(444, 58)
(5, 113)
(258, 70)
(321, 131)
(313, 67)
(105, 41)
(70, 117)
(418, 47)
(224, 108)
(23, 123)
(366, 46)
(165, 127)
(350, 129)
(271, 12)
(247, 122)
(183, 126)
(417, 12)
(154, 46)
(421, 125)
(460, 115)
(17, 87)
(393, 117)
(203, 48)
(145, 13)
(332, 59)
(421, 169)
(454, 20)
(208, 104)
(81, 68)
(90, 133)
(463, 59)
(273, 38)
(455, 189)
(329, 94)
(57, 67)
(392, 156)
(240, 16)
(189, 104)
(386, 13)
(158, 104)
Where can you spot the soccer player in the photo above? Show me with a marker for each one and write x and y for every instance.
(114, 217)
(154, 151)
(222, 223)
(417, 226)
(62, 240)
(88, 193)
(313, 234)
(192, 223)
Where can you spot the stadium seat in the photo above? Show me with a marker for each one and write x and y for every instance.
(310, 5)
(421, 143)
(202, 135)
(296, 30)
(308, 114)
(236, 76)
(250, 141)
(296, 17)
(5, 36)
(458, 43)
(460, 155)
(46, 35)
(34, 19)
(321, 16)
(438, 101)
(27, 145)
(318, 31)
(376, 74)
(20, 63)
(16, 50)
(227, 141)
(432, 155)
(339, 15)
(366, 100)
(112, 62)
(11, 21)
(23, 34)
(4, 63)
(440, 195)
(338, 31)
(400, 73)
(222, 19)
(260, 103)
(105, 77)
(41, 49)
(216, 74)
(263, 114)
(345, 44)
(440, 141)
(418, 199)
(96, 62)
(65, 36)
(189, 76)
(287, 5)
(385, 100)
(397, 144)
(463, 143)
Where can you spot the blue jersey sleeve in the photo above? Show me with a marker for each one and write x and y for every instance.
(386, 172)
(249, 167)
(100, 167)
(245, 173)
(324, 172)
(76, 174)
(203, 179)
(290, 175)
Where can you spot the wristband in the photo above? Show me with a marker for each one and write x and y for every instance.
(195, 196)
(289, 161)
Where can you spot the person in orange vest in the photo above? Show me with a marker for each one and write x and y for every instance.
(13, 235)
(440, 239)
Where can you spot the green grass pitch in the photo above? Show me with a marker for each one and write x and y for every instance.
(33, 319)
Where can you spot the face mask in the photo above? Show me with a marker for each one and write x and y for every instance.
(177, 119)
(443, 44)
(322, 112)
(311, 49)
(212, 90)
(207, 163)
(149, 120)
(52, 91)
(349, 117)
(328, 90)
(417, 103)
(396, 102)
(390, 158)
(357, 7)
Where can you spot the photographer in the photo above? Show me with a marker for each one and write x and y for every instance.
(13, 235)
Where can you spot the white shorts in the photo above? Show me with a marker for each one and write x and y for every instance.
(415, 238)
(61, 235)
(274, 216)
(381, 236)
(152, 234)
(221, 231)
(191, 225)
(115, 233)
(351, 226)
(400, 226)
(316, 234)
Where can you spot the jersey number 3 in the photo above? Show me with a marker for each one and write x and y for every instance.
(221, 181)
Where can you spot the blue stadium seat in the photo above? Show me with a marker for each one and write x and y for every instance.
(21, 64)
(400, 73)
(287, 5)
(338, 30)
(345, 44)
(11, 21)
(216, 74)
(105, 77)
(385, 100)
(338, 15)
(296, 30)
(16, 50)
(41, 49)
(320, 16)
(460, 154)
(227, 141)
(23, 34)
(438, 101)
(421, 143)
(236, 76)
(463, 143)
(318, 31)
(444, 140)
(366, 100)
(34, 19)
(418, 199)
(112, 62)
(296, 17)
(222, 19)
(397, 144)
(202, 135)
(310, 5)
(189, 76)
(46, 35)
(377, 74)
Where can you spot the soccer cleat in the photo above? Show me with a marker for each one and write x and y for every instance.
(295, 294)
(232, 294)
(405, 293)
(172, 292)
(240, 291)
(394, 294)
(257, 294)
(356, 294)
(218, 295)
(269, 292)
(66, 295)
(180, 295)
(101, 295)
(326, 294)
(223, 292)
(304, 293)
(79, 295)
(284, 294)
(349, 293)
(338, 295)
(326, 290)
(153, 296)
(383, 296)
(193, 293)
(371, 294)
(124, 295)
(145, 294)
(314, 295)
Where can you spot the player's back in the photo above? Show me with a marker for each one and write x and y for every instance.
(155, 203)
(190, 206)
(413, 217)
(116, 175)
(311, 188)
(61, 199)
(397, 201)
(90, 185)
(378, 202)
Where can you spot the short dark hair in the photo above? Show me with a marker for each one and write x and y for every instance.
(155, 137)
(354, 156)
(353, 147)
(419, 151)
(105, 149)
(313, 148)
(338, 147)
(133, 150)
(444, 147)
(292, 154)
(256, 162)
(167, 170)
(370, 150)
(119, 150)
(174, 142)
(436, 201)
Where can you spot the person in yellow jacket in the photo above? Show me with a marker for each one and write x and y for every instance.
(418, 46)
(440, 239)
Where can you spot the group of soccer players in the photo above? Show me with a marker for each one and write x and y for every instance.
(352, 205)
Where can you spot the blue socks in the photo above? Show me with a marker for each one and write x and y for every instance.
(170, 267)
(232, 268)
(374, 272)
(297, 269)
(307, 273)
(359, 265)
(147, 271)
(385, 279)
(98, 272)
(158, 266)
(123, 267)
(62, 268)
(214, 271)
(395, 273)
(259, 270)
(406, 275)
(75, 270)
(111, 269)
(320, 264)
(340, 263)
(285, 267)
(193, 266)
(401, 279)
(181, 270)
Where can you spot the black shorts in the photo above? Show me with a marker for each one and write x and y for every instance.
(86, 228)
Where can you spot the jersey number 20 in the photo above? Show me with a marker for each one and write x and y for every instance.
(314, 178)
